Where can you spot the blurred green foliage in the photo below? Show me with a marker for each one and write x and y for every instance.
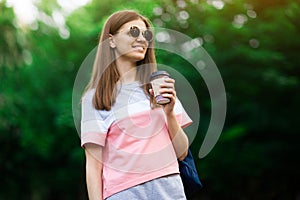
(255, 45)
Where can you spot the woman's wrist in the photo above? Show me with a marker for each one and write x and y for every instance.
(170, 114)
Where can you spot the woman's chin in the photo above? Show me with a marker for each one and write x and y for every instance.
(138, 57)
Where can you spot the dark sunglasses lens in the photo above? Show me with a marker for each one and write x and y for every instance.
(134, 31)
(148, 35)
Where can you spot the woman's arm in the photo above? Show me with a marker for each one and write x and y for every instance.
(179, 139)
(94, 171)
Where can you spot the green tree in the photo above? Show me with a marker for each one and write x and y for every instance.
(255, 46)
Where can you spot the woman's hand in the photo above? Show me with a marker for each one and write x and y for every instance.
(167, 89)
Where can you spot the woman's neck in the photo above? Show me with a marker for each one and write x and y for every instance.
(127, 70)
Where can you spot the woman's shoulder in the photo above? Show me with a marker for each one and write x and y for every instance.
(87, 102)
(88, 95)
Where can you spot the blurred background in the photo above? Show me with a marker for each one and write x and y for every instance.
(254, 43)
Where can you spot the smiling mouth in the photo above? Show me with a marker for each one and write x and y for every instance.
(139, 47)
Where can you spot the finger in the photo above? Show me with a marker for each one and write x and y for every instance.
(169, 83)
(169, 80)
(172, 97)
(169, 93)
(167, 90)
(151, 91)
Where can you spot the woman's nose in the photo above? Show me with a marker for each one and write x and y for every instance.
(141, 38)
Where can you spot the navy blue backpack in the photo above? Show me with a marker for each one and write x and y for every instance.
(189, 175)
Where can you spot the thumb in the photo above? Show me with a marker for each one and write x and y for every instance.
(151, 91)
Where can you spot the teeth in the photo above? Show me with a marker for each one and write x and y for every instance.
(139, 47)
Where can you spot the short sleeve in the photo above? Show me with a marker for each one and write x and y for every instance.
(182, 117)
(93, 127)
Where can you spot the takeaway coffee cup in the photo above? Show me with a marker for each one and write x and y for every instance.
(156, 79)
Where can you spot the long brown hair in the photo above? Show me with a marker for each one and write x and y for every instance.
(105, 74)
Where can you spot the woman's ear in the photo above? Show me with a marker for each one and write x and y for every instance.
(112, 43)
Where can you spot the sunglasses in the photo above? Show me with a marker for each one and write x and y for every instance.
(135, 33)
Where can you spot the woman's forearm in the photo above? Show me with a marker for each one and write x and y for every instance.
(93, 177)
(179, 139)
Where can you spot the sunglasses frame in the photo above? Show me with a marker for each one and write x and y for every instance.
(137, 34)
(131, 29)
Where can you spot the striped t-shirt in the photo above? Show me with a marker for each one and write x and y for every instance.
(135, 139)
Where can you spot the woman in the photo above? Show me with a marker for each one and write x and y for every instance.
(131, 144)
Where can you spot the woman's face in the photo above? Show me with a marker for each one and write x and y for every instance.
(127, 46)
